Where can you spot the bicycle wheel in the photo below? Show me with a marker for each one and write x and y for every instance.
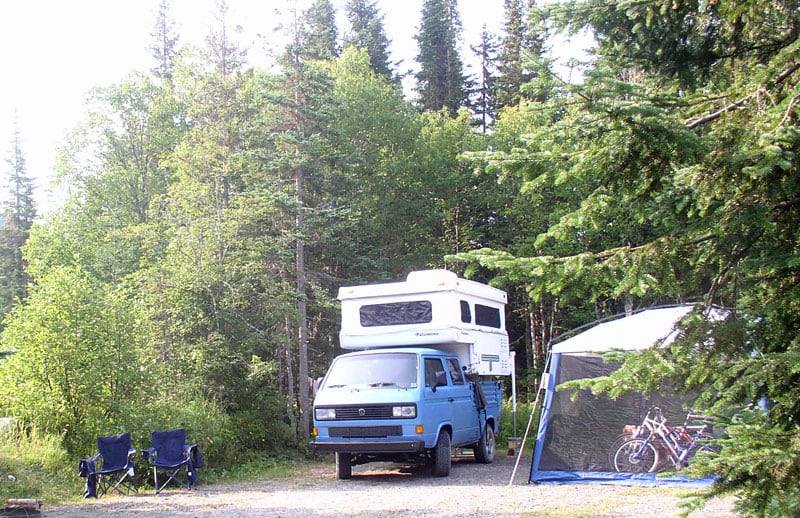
(636, 456)
(615, 444)
(704, 443)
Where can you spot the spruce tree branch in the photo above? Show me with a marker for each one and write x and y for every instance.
(691, 124)
(788, 114)
(717, 114)
(782, 207)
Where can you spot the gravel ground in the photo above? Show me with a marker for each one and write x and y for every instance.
(384, 490)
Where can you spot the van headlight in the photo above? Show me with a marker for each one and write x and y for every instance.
(404, 411)
(322, 414)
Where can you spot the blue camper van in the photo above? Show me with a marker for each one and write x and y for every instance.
(422, 379)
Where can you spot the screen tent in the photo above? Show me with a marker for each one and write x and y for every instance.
(576, 434)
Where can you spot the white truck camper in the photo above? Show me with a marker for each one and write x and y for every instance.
(421, 377)
(431, 308)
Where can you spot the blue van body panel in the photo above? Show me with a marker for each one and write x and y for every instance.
(364, 421)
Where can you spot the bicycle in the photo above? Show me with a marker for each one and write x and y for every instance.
(639, 449)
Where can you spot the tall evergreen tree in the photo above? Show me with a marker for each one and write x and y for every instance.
(318, 34)
(521, 47)
(368, 33)
(17, 219)
(301, 150)
(441, 82)
(226, 54)
(165, 41)
(484, 103)
(677, 165)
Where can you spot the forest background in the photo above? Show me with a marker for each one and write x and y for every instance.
(213, 209)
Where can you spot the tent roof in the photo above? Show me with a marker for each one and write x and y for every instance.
(638, 331)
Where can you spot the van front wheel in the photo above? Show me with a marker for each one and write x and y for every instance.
(441, 455)
(344, 465)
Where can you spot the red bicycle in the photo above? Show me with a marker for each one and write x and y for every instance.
(644, 448)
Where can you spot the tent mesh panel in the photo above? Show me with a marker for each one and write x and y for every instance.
(581, 430)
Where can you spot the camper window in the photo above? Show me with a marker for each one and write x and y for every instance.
(466, 314)
(396, 313)
(487, 316)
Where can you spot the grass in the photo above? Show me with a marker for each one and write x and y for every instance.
(37, 466)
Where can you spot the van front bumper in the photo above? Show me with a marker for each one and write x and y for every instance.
(368, 447)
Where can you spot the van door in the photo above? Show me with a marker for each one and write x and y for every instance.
(438, 400)
(466, 429)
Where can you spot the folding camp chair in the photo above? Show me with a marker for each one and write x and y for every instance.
(116, 471)
(170, 454)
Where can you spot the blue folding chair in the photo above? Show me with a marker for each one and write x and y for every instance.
(171, 455)
(115, 462)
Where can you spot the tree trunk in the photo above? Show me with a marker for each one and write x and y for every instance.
(542, 324)
(302, 310)
(290, 394)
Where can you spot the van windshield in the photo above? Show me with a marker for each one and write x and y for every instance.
(382, 370)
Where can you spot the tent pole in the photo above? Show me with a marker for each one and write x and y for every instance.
(514, 389)
(530, 423)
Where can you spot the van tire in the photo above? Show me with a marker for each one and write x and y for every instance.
(442, 455)
(484, 450)
(344, 465)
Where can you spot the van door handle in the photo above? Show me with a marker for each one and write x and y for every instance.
(451, 400)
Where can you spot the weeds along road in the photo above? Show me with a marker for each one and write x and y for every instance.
(387, 490)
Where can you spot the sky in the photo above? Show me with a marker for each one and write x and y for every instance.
(55, 51)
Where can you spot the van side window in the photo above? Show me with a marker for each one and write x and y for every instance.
(455, 371)
(487, 316)
(466, 314)
(433, 366)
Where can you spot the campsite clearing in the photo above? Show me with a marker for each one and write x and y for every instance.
(378, 490)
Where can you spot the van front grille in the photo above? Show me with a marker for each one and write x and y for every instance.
(365, 432)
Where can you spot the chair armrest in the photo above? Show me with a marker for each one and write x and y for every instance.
(149, 454)
(131, 453)
(192, 451)
(86, 467)
(187, 450)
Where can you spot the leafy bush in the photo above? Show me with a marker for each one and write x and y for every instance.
(523, 415)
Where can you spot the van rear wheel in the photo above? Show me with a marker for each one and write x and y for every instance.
(484, 450)
(441, 455)
(344, 465)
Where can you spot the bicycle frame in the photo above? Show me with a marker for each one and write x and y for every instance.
(677, 442)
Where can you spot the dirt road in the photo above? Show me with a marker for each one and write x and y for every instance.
(383, 490)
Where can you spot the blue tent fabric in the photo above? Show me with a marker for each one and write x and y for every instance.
(620, 479)
(576, 435)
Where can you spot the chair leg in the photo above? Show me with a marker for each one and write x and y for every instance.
(126, 482)
(171, 475)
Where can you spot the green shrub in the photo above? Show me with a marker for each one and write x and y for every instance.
(522, 417)
(204, 421)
